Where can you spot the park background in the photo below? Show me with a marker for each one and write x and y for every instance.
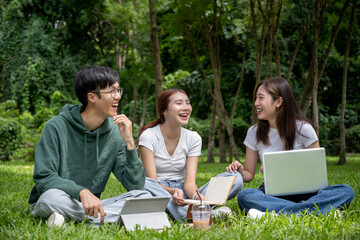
(216, 50)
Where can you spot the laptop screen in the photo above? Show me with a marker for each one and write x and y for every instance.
(295, 171)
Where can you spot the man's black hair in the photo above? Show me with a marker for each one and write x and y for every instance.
(92, 79)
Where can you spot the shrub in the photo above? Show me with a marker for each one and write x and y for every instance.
(10, 137)
(352, 139)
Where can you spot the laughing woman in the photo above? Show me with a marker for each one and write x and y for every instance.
(170, 154)
(282, 126)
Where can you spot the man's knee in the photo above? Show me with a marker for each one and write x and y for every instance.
(140, 193)
(49, 201)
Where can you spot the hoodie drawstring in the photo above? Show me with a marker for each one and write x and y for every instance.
(97, 146)
(85, 147)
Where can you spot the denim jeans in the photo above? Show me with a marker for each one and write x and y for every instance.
(179, 212)
(329, 197)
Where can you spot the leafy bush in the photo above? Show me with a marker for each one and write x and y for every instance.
(10, 137)
(353, 139)
(8, 109)
(19, 134)
(240, 129)
(201, 127)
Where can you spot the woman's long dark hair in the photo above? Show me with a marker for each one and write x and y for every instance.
(287, 114)
(162, 105)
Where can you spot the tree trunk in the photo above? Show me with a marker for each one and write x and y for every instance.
(259, 46)
(238, 89)
(307, 93)
(222, 142)
(143, 113)
(155, 50)
(120, 57)
(276, 44)
(297, 46)
(342, 156)
(211, 140)
(135, 99)
(315, 71)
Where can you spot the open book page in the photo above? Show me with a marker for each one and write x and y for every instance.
(217, 191)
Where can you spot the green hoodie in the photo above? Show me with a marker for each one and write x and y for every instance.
(69, 157)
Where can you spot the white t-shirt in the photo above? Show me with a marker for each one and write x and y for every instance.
(307, 138)
(171, 167)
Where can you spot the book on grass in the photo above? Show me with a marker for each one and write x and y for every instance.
(217, 191)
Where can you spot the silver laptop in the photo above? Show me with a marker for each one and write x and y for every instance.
(144, 212)
(295, 171)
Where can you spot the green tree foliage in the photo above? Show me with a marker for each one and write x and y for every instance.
(34, 61)
(19, 133)
(43, 44)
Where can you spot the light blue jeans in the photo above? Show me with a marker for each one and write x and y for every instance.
(327, 198)
(55, 200)
(179, 212)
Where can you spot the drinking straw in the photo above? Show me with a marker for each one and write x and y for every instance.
(197, 191)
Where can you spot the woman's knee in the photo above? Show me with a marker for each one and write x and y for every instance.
(247, 194)
(348, 192)
(238, 182)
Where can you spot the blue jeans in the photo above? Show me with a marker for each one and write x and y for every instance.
(329, 197)
(179, 212)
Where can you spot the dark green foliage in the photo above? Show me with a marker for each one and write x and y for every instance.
(353, 139)
(9, 137)
(10, 129)
(43, 44)
(19, 134)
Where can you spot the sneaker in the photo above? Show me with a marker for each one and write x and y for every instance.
(337, 214)
(222, 212)
(55, 219)
(255, 214)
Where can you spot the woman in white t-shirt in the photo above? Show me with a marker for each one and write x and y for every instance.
(281, 126)
(170, 154)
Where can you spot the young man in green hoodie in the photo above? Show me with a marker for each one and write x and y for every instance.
(79, 149)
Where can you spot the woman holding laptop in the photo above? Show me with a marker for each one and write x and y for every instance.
(170, 155)
(281, 126)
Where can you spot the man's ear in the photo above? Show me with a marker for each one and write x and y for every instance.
(279, 102)
(91, 97)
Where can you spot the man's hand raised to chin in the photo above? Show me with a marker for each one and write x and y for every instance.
(125, 128)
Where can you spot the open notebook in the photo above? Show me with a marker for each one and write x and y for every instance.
(217, 191)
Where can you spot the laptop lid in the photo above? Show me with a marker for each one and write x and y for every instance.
(145, 212)
(295, 171)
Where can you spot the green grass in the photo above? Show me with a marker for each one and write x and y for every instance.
(17, 223)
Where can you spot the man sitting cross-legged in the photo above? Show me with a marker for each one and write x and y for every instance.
(79, 149)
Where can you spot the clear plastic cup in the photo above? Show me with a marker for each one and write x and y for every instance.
(201, 216)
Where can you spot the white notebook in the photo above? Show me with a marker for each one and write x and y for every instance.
(217, 191)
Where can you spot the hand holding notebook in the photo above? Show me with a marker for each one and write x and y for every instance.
(217, 192)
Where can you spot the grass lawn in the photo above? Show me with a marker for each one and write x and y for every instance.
(17, 223)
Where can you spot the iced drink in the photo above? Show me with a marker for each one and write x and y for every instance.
(201, 216)
(201, 224)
